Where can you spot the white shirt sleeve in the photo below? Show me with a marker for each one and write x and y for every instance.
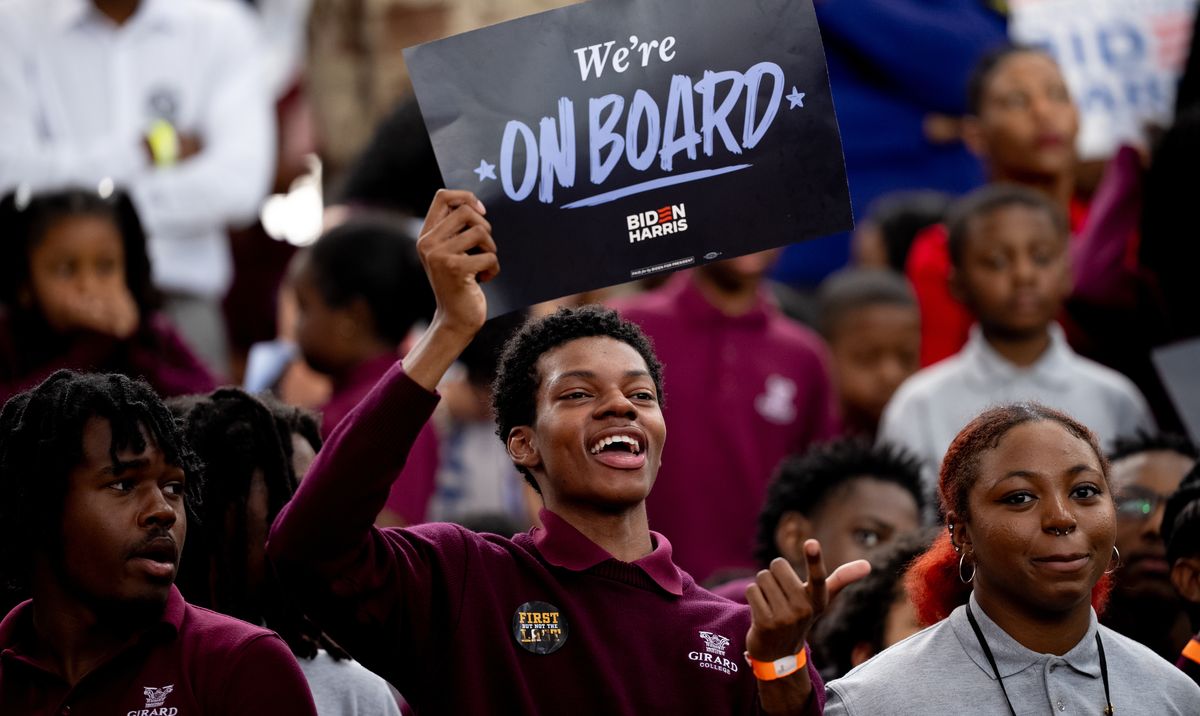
(25, 157)
(228, 179)
(903, 424)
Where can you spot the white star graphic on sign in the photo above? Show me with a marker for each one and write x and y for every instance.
(795, 99)
(485, 170)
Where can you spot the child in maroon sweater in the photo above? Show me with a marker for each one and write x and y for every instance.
(588, 614)
(97, 483)
(75, 292)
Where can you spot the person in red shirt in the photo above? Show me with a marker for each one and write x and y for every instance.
(587, 614)
(1022, 123)
(98, 483)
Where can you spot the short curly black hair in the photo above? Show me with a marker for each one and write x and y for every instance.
(41, 441)
(802, 483)
(860, 614)
(514, 392)
(1146, 441)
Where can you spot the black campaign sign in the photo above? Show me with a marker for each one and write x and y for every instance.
(616, 139)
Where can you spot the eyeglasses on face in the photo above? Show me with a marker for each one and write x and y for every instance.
(1136, 503)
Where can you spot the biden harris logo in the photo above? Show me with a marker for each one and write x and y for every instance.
(670, 219)
(713, 657)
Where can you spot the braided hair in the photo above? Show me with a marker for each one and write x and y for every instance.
(41, 441)
(247, 451)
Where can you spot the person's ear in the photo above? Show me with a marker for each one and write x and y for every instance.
(791, 532)
(973, 137)
(356, 319)
(960, 536)
(1185, 576)
(522, 447)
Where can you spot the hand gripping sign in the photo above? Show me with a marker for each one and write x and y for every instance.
(616, 139)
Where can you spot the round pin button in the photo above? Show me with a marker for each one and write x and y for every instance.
(539, 627)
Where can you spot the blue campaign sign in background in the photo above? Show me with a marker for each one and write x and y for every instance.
(616, 139)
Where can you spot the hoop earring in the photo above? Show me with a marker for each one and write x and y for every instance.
(1116, 563)
(966, 580)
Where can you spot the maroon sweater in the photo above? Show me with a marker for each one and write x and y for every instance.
(30, 353)
(193, 662)
(420, 471)
(456, 619)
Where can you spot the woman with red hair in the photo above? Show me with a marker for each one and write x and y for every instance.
(1011, 584)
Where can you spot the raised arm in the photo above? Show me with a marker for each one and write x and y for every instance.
(362, 585)
(454, 227)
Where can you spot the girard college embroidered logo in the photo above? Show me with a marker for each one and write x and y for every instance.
(156, 697)
(713, 656)
(671, 219)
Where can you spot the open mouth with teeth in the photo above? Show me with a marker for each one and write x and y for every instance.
(624, 452)
(617, 443)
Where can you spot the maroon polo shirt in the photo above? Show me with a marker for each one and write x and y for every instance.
(734, 589)
(192, 662)
(412, 503)
(30, 352)
(463, 623)
(742, 393)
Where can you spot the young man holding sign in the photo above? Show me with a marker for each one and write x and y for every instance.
(588, 613)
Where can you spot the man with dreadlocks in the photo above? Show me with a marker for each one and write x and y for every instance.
(98, 484)
(247, 449)
(587, 614)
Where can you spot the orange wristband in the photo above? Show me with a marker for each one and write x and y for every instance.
(1192, 651)
(771, 670)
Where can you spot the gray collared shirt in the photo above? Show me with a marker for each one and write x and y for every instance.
(943, 670)
(930, 408)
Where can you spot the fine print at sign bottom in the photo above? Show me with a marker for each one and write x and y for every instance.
(668, 266)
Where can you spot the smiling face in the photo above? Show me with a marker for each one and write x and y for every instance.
(597, 438)
(123, 523)
(1027, 123)
(1013, 273)
(1041, 522)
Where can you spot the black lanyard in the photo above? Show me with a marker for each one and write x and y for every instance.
(987, 651)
